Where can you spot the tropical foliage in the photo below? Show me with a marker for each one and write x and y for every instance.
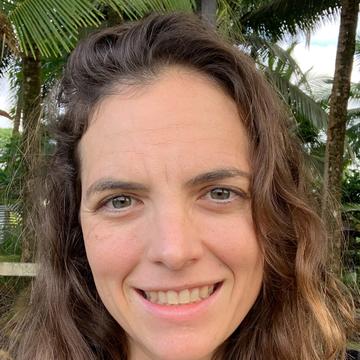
(36, 37)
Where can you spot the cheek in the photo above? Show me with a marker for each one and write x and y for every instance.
(110, 251)
(233, 240)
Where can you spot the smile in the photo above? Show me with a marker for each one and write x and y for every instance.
(185, 296)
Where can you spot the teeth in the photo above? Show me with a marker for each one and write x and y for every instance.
(204, 292)
(153, 296)
(172, 297)
(185, 296)
(195, 295)
(161, 296)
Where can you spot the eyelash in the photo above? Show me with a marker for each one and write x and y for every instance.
(234, 193)
(104, 203)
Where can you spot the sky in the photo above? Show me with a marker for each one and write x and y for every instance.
(319, 56)
(5, 102)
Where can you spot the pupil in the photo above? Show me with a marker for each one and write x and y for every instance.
(220, 194)
(121, 202)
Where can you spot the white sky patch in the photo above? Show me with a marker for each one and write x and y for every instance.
(326, 33)
(5, 102)
(321, 54)
(320, 59)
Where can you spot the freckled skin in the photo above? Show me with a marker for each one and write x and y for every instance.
(174, 129)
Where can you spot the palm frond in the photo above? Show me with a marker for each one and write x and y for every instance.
(5, 62)
(349, 148)
(7, 5)
(228, 23)
(321, 88)
(352, 135)
(354, 114)
(138, 8)
(350, 207)
(52, 25)
(304, 80)
(274, 19)
(298, 101)
(355, 91)
(273, 55)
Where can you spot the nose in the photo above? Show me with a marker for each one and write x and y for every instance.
(173, 240)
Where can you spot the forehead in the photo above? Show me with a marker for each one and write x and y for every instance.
(182, 118)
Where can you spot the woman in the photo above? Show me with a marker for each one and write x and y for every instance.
(177, 222)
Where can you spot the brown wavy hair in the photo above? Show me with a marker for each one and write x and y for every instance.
(302, 311)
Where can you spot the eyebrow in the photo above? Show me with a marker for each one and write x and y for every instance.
(112, 184)
(106, 184)
(216, 175)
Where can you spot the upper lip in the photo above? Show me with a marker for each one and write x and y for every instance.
(179, 287)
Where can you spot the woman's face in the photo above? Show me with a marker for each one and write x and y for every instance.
(166, 215)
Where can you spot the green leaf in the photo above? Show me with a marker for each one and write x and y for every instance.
(138, 8)
(276, 18)
(350, 207)
(298, 100)
(52, 25)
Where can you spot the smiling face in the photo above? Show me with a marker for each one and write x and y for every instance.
(166, 215)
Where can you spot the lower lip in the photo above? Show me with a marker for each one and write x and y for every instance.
(179, 312)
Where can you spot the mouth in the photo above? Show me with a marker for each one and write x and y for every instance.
(182, 297)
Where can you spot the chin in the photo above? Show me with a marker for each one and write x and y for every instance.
(187, 350)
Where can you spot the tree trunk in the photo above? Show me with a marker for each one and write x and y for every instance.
(17, 120)
(208, 11)
(331, 201)
(30, 144)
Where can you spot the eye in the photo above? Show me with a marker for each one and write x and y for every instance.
(120, 202)
(220, 194)
(223, 195)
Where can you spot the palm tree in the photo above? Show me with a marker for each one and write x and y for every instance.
(271, 20)
(52, 28)
(276, 18)
(338, 119)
